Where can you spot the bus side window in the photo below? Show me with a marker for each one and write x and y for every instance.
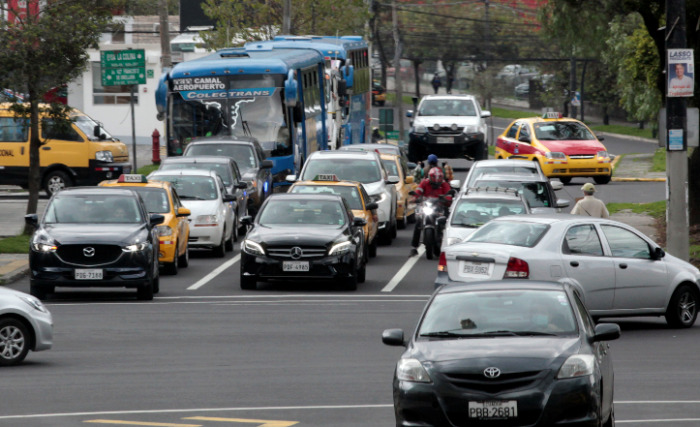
(13, 130)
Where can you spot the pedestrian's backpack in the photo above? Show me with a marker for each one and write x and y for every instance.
(436, 81)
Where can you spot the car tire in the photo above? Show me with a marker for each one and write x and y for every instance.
(602, 179)
(350, 283)
(401, 224)
(683, 307)
(565, 179)
(372, 250)
(611, 419)
(145, 291)
(39, 291)
(56, 181)
(14, 341)
(185, 257)
(429, 242)
(220, 250)
(481, 152)
(228, 246)
(171, 268)
(248, 283)
(362, 273)
(156, 284)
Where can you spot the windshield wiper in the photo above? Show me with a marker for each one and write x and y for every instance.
(442, 334)
(517, 333)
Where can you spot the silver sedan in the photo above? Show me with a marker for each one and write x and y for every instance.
(619, 270)
(25, 324)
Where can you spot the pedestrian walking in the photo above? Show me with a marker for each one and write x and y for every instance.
(436, 82)
(589, 205)
(447, 170)
(418, 172)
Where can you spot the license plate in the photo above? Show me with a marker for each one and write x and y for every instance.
(445, 140)
(295, 266)
(88, 274)
(493, 409)
(475, 268)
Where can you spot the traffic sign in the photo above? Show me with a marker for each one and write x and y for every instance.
(123, 67)
(392, 134)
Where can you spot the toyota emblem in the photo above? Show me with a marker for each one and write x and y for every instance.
(296, 252)
(492, 372)
(89, 252)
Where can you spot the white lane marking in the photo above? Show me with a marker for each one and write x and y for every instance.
(496, 127)
(663, 420)
(404, 270)
(167, 411)
(203, 281)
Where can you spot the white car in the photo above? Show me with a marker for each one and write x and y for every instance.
(25, 324)
(362, 166)
(617, 269)
(212, 219)
(476, 206)
(449, 126)
(538, 192)
(505, 167)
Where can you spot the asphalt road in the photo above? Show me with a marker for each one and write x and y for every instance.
(206, 353)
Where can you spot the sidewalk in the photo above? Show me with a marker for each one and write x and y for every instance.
(628, 168)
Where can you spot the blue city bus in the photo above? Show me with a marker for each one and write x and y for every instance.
(348, 82)
(274, 95)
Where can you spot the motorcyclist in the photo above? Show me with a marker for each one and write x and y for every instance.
(433, 186)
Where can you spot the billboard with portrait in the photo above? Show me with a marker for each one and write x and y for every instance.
(681, 80)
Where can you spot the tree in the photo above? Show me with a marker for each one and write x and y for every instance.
(46, 48)
(240, 21)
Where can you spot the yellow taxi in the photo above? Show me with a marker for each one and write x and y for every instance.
(564, 148)
(161, 198)
(405, 204)
(356, 196)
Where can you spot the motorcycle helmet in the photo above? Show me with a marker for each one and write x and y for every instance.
(432, 160)
(436, 178)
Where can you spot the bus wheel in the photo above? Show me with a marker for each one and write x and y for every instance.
(56, 181)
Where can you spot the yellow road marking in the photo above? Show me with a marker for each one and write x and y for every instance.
(262, 423)
(140, 423)
(12, 265)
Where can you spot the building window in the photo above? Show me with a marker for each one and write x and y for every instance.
(109, 94)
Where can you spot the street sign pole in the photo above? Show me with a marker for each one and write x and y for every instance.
(133, 126)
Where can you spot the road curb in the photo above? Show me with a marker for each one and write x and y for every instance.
(14, 275)
(630, 137)
(639, 179)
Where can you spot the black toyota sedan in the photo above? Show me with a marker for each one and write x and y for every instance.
(304, 236)
(95, 237)
(506, 353)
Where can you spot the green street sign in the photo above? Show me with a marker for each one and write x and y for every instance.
(392, 134)
(123, 76)
(123, 58)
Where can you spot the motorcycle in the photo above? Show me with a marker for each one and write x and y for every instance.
(431, 216)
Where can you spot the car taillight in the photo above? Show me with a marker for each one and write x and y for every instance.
(517, 269)
(442, 264)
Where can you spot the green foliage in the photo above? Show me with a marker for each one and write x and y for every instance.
(623, 130)
(655, 209)
(145, 170)
(15, 244)
(510, 114)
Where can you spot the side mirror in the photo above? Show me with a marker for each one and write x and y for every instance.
(96, 131)
(371, 206)
(563, 203)
(359, 222)
(291, 89)
(485, 113)
(290, 178)
(600, 137)
(393, 179)
(409, 113)
(556, 185)
(349, 73)
(155, 219)
(606, 332)
(242, 185)
(409, 180)
(657, 254)
(393, 337)
(229, 198)
(455, 183)
(32, 219)
(183, 212)
(247, 220)
(266, 164)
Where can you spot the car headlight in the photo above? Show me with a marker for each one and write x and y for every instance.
(578, 365)
(420, 129)
(252, 248)
(453, 240)
(412, 370)
(555, 155)
(164, 230)
(34, 303)
(378, 198)
(471, 129)
(205, 220)
(340, 248)
(603, 156)
(44, 247)
(104, 156)
(136, 247)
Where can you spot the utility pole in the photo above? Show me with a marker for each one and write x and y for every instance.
(397, 69)
(677, 227)
(166, 60)
(287, 17)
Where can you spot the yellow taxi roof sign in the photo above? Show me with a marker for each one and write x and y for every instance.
(552, 115)
(326, 177)
(132, 178)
